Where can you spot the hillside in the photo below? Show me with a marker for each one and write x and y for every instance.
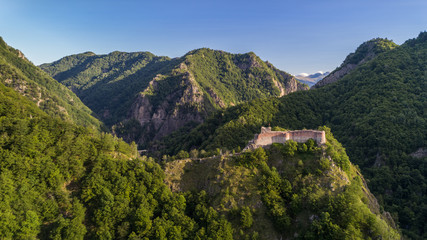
(291, 191)
(378, 112)
(365, 52)
(63, 181)
(145, 97)
(19, 73)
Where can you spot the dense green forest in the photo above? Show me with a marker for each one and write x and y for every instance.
(62, 181)
(378, 112)
(19, 73)
(365, 52)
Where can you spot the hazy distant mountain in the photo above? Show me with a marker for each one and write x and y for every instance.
(311, 79)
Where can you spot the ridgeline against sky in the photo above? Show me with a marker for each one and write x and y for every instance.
(296, 36)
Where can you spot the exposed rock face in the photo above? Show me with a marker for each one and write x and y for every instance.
(173, 112)
(216, 98)
(420, 153)
(280, 87)
(250, 63)
(293, 85)
(336, 75)
(21, 55)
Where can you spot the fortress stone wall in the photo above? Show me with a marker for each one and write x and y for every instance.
(268, 137)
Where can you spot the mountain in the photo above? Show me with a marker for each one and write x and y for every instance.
(19, 73)
(145, 97)
(365, 52)
(377, 111)
(311, 79)
(64, 181)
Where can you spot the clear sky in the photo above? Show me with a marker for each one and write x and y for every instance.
(295, 35)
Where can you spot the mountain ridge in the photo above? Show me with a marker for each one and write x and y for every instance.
(141, 95)
(60, 180)
(18, 72)
(365, 52)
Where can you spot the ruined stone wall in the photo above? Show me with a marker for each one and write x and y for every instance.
(268, 137)
(303, 135)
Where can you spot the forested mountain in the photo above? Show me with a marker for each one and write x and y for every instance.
(59, 180)
(378, 112)
(365, 52)
(145, 97)
(55, 99)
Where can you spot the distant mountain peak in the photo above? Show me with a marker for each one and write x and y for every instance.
(311, 79)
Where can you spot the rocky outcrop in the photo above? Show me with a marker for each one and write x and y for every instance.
(336, 75)
(420, 153)
(293, 85)
(215, 98)
(176, 109)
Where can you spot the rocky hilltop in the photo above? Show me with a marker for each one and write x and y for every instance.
(145, 97)
(289, 192)
(365, 52)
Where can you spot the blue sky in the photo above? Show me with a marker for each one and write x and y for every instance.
(296, 36)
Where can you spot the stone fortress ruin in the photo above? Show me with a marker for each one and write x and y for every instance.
(268, 137)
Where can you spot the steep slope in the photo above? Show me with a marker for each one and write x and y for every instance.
(378, 112)
(62, 181)
(290, 191)
(55, 99)
(365, 52)
(147, 97)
